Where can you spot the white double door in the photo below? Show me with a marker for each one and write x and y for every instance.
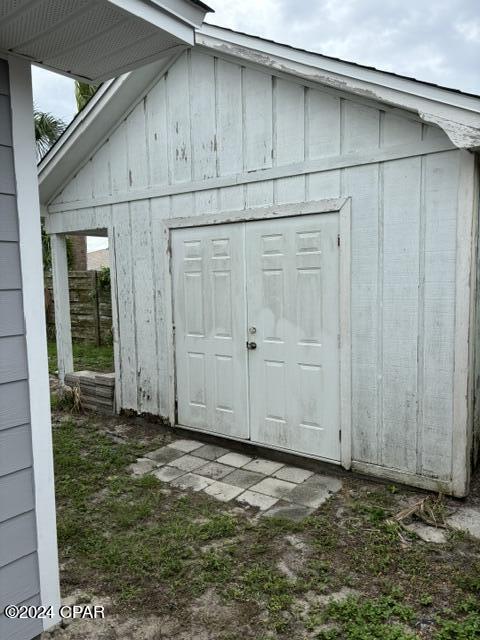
(256, 315)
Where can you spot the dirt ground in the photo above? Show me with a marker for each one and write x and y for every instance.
(176, 565)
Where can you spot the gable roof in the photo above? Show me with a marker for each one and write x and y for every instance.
(218, 29)
(454, 111)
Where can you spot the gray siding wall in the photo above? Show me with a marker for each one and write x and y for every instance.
(19, 582)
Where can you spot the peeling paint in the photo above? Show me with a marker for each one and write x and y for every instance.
(461, 135)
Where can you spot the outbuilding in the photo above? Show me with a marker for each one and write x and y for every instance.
(293, 248)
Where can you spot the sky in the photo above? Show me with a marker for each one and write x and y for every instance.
(433, 40)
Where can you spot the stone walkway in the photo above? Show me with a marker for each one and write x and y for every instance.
(274, 488)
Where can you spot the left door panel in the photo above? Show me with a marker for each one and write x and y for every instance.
(210, 318)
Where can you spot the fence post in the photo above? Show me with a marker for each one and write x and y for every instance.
(98, 338)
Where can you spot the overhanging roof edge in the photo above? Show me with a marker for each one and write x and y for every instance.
(462, 129)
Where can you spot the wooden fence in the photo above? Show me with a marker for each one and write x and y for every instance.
(90, 308)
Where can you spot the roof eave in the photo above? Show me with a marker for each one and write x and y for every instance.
(458, 114)
(94, 41)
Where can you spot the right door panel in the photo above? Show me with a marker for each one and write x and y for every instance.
(293, 316)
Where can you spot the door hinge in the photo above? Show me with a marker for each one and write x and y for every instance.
(339, 340)
(340, 435)
(338, 240)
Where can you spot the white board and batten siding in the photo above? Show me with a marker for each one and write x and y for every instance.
(213, 136)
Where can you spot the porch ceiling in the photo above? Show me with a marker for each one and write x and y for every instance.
(97, 39)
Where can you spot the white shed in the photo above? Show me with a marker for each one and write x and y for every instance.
(293, 250)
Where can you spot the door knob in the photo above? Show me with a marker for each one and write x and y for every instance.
(251, 345)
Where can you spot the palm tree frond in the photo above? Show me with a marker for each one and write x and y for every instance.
(83, 93)
(47, 129)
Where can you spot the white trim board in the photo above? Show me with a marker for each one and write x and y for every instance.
(342, 206)
(409, 479)
(306, 167)
(35, 326)
(458, 114)
(465, 291)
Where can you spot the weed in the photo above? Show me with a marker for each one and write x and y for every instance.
(65, 399)
(466, 629)
(470, 581)
(382, 619)
(221, 526)
(216, 567)
(266, 584)
(272, 526)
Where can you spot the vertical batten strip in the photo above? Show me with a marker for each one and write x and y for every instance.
(117, 350)
(475, 339)
(148, 146)
(380, 319)
(156, 364)
(306, 128)
(464, 318)
(193, 161)
(274, 82)
(167, 131)
(134, 325)
(217, 117)
(421, 319)
(244, 121)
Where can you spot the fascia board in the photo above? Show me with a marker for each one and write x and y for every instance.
(457, 114)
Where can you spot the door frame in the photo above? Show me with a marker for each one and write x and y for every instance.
(342, 206)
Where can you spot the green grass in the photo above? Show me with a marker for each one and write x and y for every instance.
(155, 551)
(85, 356)
(384, 618)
